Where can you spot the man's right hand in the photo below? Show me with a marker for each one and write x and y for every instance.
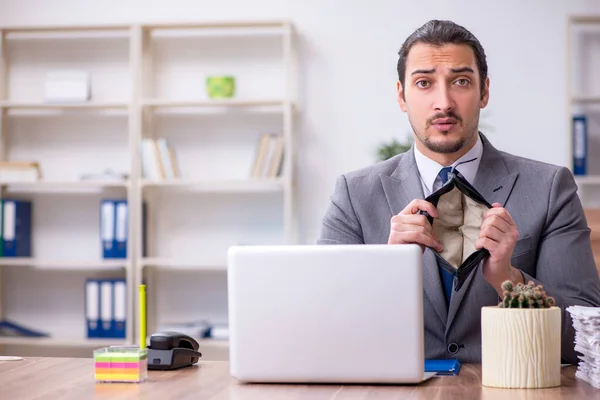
(413, 228)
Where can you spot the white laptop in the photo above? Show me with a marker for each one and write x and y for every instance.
(326, 314)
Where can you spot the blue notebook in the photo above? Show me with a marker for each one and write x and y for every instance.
(443, 367)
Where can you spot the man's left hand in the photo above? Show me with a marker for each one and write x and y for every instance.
(498, 235)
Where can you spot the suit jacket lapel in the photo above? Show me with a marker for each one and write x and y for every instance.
(493, 180)
(495, 183)
(402, 187)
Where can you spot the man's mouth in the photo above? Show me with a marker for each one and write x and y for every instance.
(444, 124)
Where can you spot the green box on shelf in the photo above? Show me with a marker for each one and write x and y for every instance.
(220, 87)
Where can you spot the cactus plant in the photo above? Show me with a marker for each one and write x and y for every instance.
(527, 336)
(525, 296)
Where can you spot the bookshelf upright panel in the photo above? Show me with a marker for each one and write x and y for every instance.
(65, 105)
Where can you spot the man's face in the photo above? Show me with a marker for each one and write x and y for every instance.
(442, 96)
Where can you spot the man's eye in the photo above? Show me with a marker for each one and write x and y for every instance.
(422, 84)
(462, 82)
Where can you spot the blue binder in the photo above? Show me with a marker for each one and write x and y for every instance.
(92, 308)
(106, 307)
(107, 228)
(119, 302)
(17, 228)
(1, 227)
(121, 228)
(580, 145)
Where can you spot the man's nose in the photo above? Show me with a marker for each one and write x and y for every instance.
(443, 100)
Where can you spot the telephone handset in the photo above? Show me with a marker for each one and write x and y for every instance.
(172, 350)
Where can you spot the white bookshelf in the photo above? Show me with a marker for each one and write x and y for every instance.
(583, 96)
(147, 81)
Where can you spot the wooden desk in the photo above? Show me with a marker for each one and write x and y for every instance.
(72, 378)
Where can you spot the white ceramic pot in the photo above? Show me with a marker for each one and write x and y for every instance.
(520, 347)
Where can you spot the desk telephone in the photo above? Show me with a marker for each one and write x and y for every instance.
(171, 350)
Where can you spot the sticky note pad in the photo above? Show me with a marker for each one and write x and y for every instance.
(120, 364)
(443, 367)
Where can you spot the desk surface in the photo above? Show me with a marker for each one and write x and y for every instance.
(72, 378)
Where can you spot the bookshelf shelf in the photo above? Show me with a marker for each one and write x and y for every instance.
(148, 115)
(75, 342)
(586, 100)
(220, 344)
(224, 186)
(75, 31)
(233, 103)
(588, 180)
(229, 26)
(173, 264)
(63, 188)
(71, 265)
(11, 105)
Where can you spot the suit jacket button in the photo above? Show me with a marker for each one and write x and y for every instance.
(453, 348)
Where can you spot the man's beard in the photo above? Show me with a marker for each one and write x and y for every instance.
(444, 147)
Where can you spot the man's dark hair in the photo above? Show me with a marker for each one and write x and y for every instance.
(438, 33)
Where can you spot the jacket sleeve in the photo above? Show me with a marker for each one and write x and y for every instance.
(565, 264)
(340, 224)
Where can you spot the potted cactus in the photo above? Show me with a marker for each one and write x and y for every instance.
(520, 339)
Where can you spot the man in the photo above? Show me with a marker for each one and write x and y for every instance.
(536, 229)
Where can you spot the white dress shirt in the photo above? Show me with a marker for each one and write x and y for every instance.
(429, 169)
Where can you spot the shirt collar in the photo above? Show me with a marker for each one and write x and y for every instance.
(429, 169)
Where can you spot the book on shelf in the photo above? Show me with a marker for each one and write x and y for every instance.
(15, 228)
(19, 171)
(268, 159)
(158, 160)
(580, 144)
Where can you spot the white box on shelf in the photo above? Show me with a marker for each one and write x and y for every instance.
(11, 172)
(64, 86)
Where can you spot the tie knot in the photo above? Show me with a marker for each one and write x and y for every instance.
(444, 172)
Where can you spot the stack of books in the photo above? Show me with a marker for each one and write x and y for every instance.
(268, 160)
(158, 160)
(586, 321)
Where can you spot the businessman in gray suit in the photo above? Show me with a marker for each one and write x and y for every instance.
(535, 231)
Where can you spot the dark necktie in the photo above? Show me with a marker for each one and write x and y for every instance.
(447, 279)
(443, 174)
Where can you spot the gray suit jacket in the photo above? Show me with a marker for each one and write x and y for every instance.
(553, 247)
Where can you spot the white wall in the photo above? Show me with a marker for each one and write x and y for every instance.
(348, 57)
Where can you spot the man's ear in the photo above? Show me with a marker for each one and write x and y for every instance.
(400, 98)
(485, 96)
